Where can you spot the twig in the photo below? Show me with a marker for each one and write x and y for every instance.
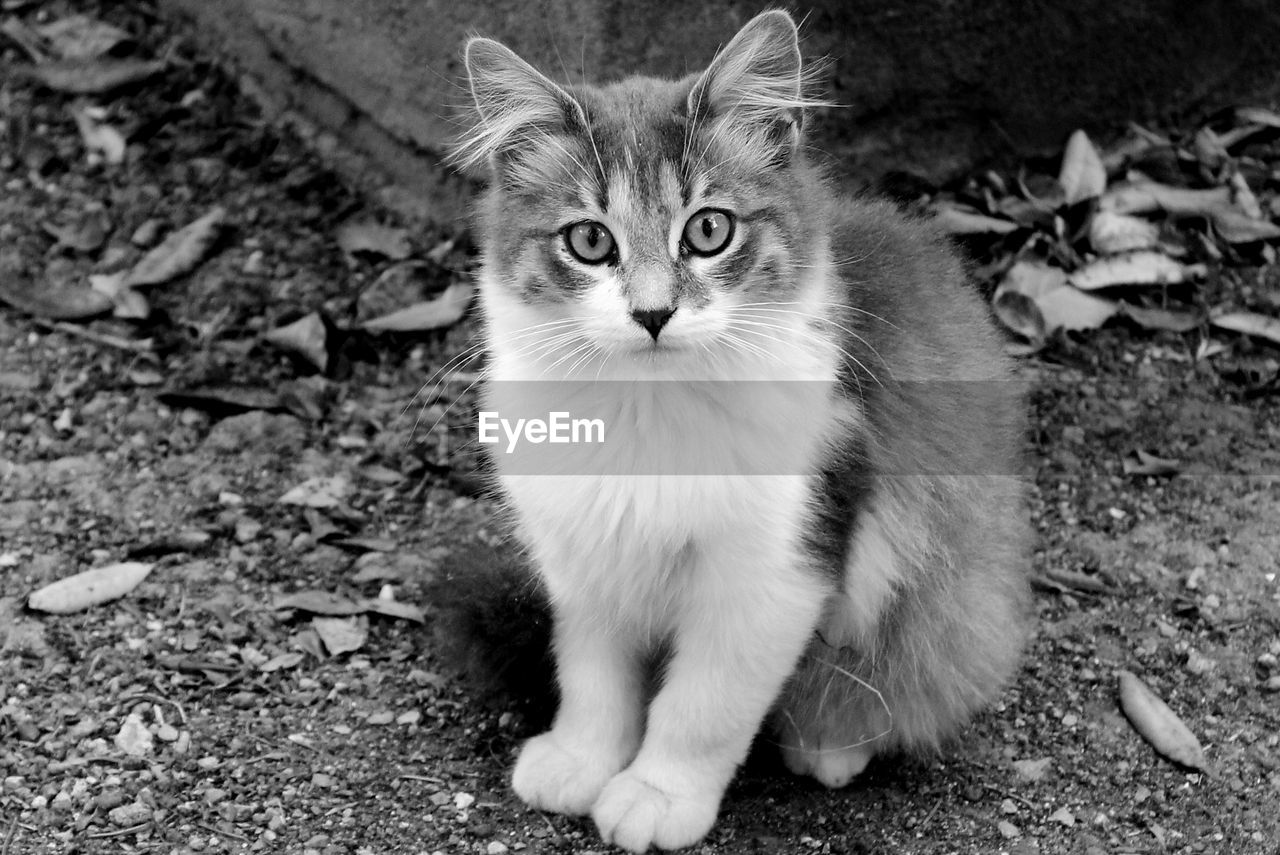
(425, 778)
(993, 788)
(929, 816)
(223, 832)
(120, 832)
(8, 838)
(144, 345)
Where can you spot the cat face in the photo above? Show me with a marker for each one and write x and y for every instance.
(647, 217)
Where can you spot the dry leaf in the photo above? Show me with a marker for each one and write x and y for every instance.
(306, 337)
(1143, 463)
(366, 236)
(1234, 226)
(341, 635)
(1034, 300)
(444, 311)
(1082, 175)
(1258, 116)
(1209, 150)
(1252, 323)
(1242, 195)
(100, 139)
(394, 609)
(1143, 196)
(82, 37)
(90, 588)
(94, 77)
(58, 302)
(180, 252)
(318, 492)
(1162, 319)
(318, 602)
(1144, 267)
(1158, 724)
(1111, 233)
(957, 219)
(282, 662)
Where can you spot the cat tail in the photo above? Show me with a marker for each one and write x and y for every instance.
(491, 627)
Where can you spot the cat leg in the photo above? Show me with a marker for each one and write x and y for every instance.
(598, 725)
(745, 620)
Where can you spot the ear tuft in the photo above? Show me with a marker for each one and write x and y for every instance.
(515, 104)
(756, 80)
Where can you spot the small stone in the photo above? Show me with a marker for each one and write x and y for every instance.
(1198, 664)
(1007, 806)
(462, 801)
(145, 235)
(1008, 830)
(1070, 720)
(167, 733)
(253, 265)
(1272, 684)
(1268, 660)
(1032, 770)
(109, 799)
(130, 814)
(381, 718)
(39, 803)
(1064, 816)
(410, 717)
(496, 847)
(62, 801)
(213, 795)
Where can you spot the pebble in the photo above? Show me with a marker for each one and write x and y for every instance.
(462, 801)
(130, 814)
(496, 847)
(1007, 829)
(1272, 684)
(167, 733)
(213, 795)
(145, 235)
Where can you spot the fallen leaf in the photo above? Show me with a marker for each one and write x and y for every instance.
(1209, 150)
(318, 602)
(1143, 463)
(1243, 196)
(1082, 175)
(282, 662)
(1141, 197)
(1162, 319)
(85, 233)
(341, 635)
(82, 37)
(394, 609)
(58, 302)
(319, 492)
(1251, 323)
(95, 76)
(1034, 300)
(1158, 724)
(367, 236)
(306, 337)
(444, 311)
(1234, 226)
(1144, 267)
(179, 253)
(1258, 116)
(90, 588)
(957, 219)
(99, 138)
(1111, 233)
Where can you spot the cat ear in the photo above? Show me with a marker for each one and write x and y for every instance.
(756, 80)
(515, 104)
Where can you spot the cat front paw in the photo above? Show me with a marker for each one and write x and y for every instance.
(635, 812)
(554, 777)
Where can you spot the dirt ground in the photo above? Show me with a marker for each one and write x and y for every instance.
(198, 715)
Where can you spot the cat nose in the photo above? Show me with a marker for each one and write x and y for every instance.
(653, 320)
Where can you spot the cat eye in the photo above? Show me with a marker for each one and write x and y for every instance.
(708, 231)
(589, 242)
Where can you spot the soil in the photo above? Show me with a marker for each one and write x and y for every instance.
(173, 440)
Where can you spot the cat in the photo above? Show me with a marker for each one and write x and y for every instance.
(808, 513)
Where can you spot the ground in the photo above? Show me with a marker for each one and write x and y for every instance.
(200, 713)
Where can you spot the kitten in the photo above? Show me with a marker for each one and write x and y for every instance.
(806, 512)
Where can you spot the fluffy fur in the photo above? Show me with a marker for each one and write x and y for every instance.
(849, 561)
